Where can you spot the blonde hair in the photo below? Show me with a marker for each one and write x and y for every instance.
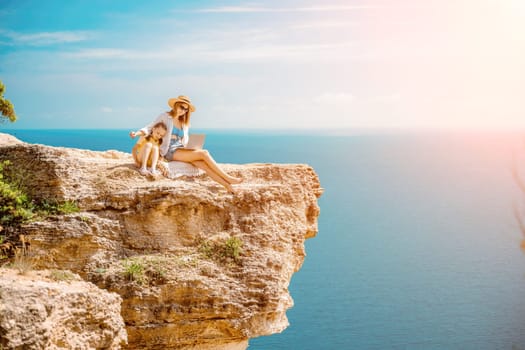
(159, 124)
(184, 119)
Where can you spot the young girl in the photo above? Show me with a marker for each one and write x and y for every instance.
(147, 149)
(178, 121)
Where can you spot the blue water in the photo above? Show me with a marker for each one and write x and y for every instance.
(417, 246)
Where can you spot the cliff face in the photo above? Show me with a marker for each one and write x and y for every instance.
(40, 311)
(196, 267)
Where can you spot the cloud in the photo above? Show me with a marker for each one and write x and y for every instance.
(106, 109)
(297, 52)
(254, 9)
(45, 38)
(252, 53)
(323, 25)
(102, 53)
(329, 98)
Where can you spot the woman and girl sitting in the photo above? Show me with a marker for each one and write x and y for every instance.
(156, 140)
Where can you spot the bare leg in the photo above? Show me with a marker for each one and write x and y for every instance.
(154, 158)
(143, 157)
(202, 165)
(135, 156)
(191, 156)
(146, 151)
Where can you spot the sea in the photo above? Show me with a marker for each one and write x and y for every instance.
(418, 244)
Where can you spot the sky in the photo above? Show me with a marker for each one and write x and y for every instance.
(334, 64)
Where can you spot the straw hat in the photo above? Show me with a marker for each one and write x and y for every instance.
(181, 98)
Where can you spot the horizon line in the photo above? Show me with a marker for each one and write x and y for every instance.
(334, 129)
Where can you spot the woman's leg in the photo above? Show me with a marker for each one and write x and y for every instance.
(191, 156)
(202, 165)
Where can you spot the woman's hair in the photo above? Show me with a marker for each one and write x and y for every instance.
(159, 124)
(184, 119)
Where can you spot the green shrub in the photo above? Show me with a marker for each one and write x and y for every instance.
(232, 248)
(207, 248)
(68, 207)
(15, 206)
(2, 249)
(134, 271)
(51, 207)
(7, 110)
(229, 249)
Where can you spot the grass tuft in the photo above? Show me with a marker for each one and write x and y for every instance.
(134, 271)
(226, 250)
(22, 261)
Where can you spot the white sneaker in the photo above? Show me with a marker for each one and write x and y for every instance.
(144, 171)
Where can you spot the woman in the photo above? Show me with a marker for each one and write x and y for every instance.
(177, 121)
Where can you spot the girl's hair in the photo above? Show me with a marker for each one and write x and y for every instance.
(159, 124)
(184, 119)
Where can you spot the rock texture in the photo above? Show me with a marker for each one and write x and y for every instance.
(37, 312)
(196, 267)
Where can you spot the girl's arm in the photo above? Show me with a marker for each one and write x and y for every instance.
(134, 134)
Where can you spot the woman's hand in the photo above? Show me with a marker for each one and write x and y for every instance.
(134, 134)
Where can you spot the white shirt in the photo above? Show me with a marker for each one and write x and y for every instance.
(168, 121)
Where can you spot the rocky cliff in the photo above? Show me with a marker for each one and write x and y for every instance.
(57, 310)
(195, 266)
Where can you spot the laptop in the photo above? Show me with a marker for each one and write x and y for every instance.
(196, 141)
